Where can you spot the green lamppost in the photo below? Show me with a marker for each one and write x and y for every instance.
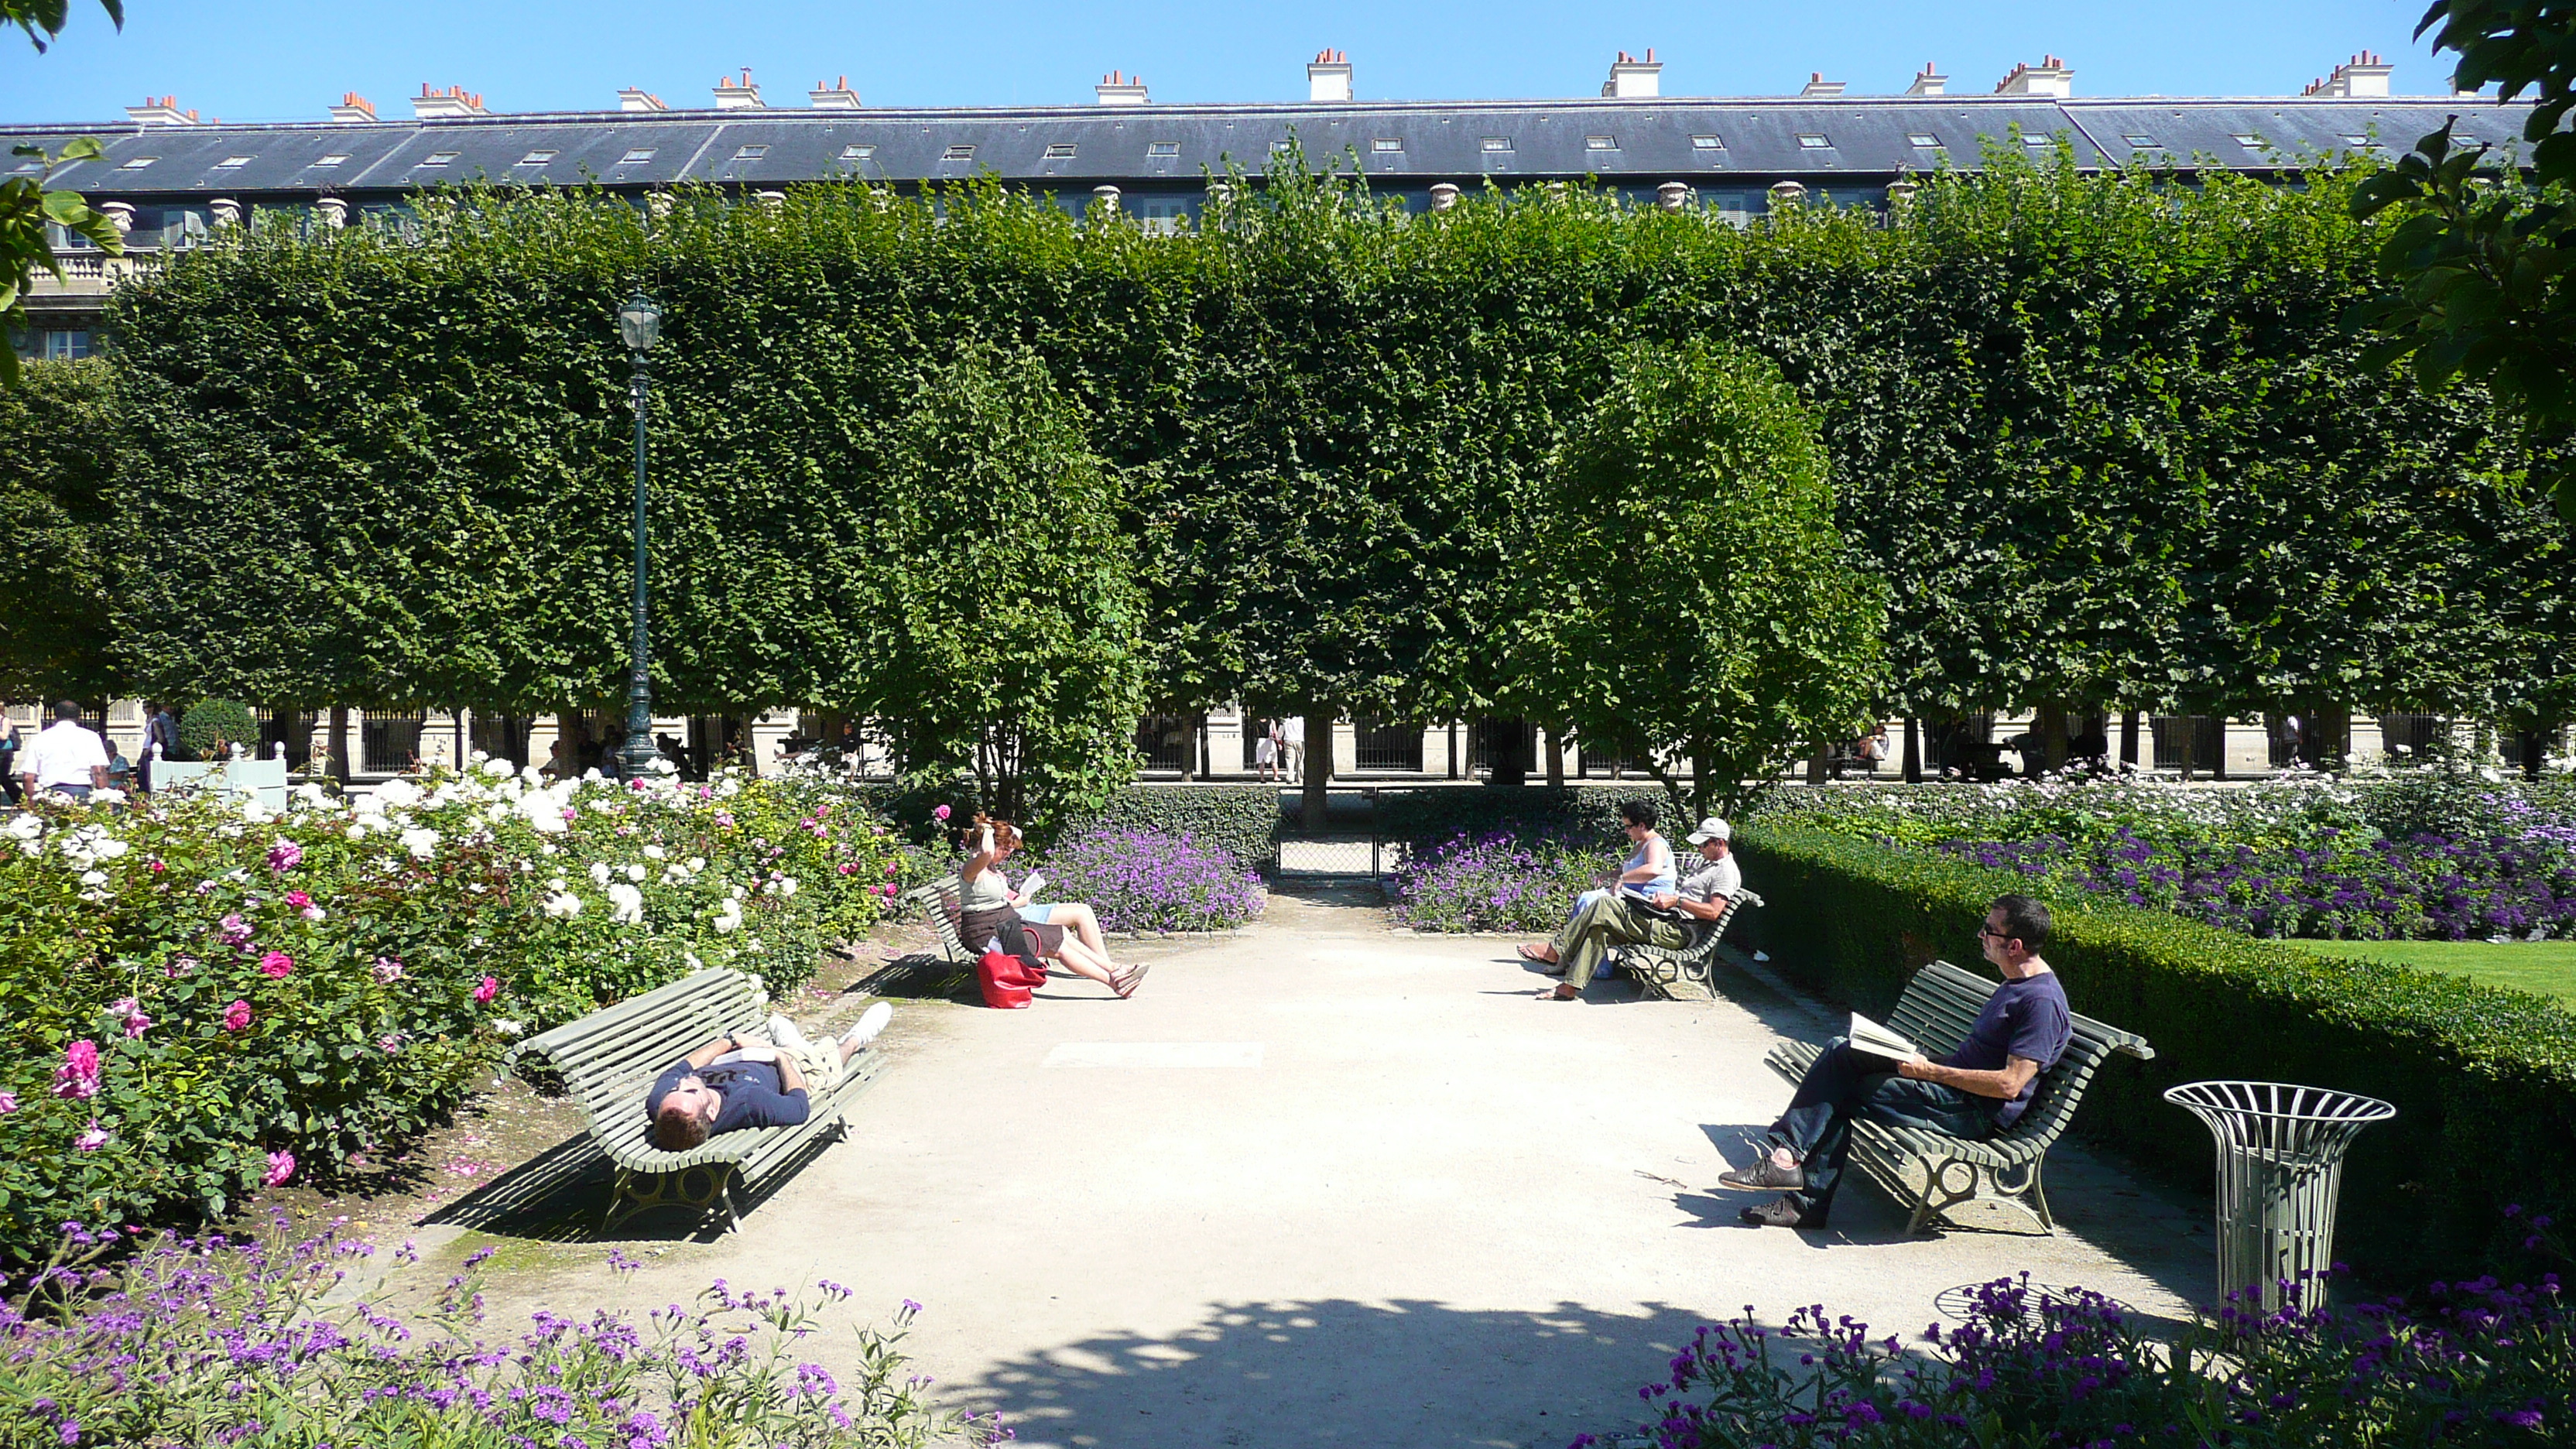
(639, 322)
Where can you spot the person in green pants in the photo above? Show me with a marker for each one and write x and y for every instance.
(1670, 921)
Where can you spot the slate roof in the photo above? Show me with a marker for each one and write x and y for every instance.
(1869, 140)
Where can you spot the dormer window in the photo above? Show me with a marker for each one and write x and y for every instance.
(539, 157)
(857, 153)
(1708, 143)
(1497, 143)
(1387, 143)
(138, 163)
(750, 153)
(1060, 151)
(1162, 150)
(1922, 138)
(336, 158)
(232, 163)
(1813, 141)
(440, 158)
(958, 153)
(2249, 140)
(1600, 143)
(636, 157)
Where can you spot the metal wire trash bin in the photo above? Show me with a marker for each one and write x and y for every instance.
(2280, 1163)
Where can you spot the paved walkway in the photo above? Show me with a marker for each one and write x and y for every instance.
(1323, 1184)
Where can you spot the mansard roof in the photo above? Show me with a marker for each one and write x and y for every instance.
(1868, 139)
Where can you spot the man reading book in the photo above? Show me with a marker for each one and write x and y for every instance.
(1974, 1092)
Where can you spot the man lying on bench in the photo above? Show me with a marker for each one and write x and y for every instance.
(1975, 1092)
(743, 1081)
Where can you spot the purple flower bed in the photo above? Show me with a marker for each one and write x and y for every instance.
(1143, 879)
(217, 1341)
(2449, 887)
(1495, 882)
(2479, 1362)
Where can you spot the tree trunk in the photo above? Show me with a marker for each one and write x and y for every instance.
(2051, 725)
(1319, 767)
(1816, 764)
(1913, 750)
(1511, 761)
(340, 743)
(1555, 748)
(2190, 725)
(2129, 739)
(2218, 727)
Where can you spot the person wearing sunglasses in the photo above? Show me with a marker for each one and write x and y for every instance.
(1974, 1092)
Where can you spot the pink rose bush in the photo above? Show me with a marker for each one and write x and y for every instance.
(270, 987)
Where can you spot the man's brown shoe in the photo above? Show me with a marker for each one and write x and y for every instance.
(1764, 1175)
(1779, 1213)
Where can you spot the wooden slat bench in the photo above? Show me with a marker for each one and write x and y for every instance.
(938, 904)
(610, 1058)
(1934, 1012)
(1688, 974)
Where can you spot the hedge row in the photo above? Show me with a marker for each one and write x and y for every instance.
(2484, 1080)
(1580, 812)
(1242, 818)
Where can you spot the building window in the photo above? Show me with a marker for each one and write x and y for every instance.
(1377, 745)
(958, 153)
(1498, 143)
(750, 153)
(2363, 143)
(138, 163)
(2249, 140)
(636, 157)
(1600, 143)
(1811, 141)
(1162, 150)
(1708, 143)
(232, 163)
(1164, 740)
(539, 157)
(61, 346)
(857, 153)
(334, 159)
(2039, 143)
(1060, 151)
(2142, 141)
(1387, 143)
(389, 743)
(439, 158)
(1922, 138)
(1282, 148)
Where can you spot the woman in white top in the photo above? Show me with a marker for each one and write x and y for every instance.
(1067, 933)
(1265, 752)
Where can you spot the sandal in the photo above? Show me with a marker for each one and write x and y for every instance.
(1531, 953)
(1561, 992)
(1127, 988)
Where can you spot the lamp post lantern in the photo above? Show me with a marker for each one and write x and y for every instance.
(639, 323)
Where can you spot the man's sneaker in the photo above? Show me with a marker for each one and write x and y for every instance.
(1765, 1175)
(871, 1021)
(1778, 1213)
(783, 1034)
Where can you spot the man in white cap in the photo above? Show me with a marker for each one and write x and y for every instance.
(1670, 921)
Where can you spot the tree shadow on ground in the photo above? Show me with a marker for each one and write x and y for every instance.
(1338, 1372)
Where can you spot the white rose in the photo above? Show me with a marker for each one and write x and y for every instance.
(499, 769)
(93, 877)
(26, 827)
(421, 843)
(626, 904)
(599, 872)
(635, 873)
(357, 832)
(696, 863)
(111, 848)
(563, 905)
(655, 852)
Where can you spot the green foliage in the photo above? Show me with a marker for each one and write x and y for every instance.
(1584, 813)
(340, 975)
(210, 726)
(1011, 648)
(1691, 597)
(1242, 820)
(2104, 439)
(58, 453)
(26, 207)
(43, 19)
(2481, 1078)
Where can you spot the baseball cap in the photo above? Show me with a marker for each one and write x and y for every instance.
(1712, 829)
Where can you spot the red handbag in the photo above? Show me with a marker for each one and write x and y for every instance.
(1006, 980)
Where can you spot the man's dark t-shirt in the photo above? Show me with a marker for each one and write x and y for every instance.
(751, 1095)
(2028, 1018)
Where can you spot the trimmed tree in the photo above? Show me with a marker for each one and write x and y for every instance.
(1691, 598)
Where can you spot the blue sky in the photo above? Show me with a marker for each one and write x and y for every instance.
(288, 59)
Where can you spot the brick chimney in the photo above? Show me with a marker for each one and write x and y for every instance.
(1632, 79)
(1819, 88)
(1328, 76)
(2363, 75)
(454, 101)
(737, 94)
(163, 111)
(837, 97)
(354, 109)
(2050, 77)
(1929, 82)
(1119, 89)
(632, 99)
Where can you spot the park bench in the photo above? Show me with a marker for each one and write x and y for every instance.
(1934, 1012)
(938, 904)
(609, 1060)
(1690, 972)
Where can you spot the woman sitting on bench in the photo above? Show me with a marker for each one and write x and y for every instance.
(989, 910)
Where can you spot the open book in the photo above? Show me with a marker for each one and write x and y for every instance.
(1871, 1039)
(1029, 888)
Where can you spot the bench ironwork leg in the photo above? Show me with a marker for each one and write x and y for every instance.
(699, 1188)
(2024, 1193)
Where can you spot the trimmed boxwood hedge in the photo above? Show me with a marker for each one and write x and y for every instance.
(2484, 1080)
(1578, 811)
(1242, 818)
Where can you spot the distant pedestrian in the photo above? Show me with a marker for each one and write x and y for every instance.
(1873, 748)
(1265, 751)
(1292, 746)
(9, 764)
(160, 739)
(68, 758)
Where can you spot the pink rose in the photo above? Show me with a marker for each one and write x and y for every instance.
(237, 1016)
(281, 1166)
(235, 930)
(388, 970)
(158, 867)
(298, 899)
(940, 814)
(131, 1013)
(890, 872)
(77, 1077)
(8, 1103)
(487, 990)
(285, 855)
(92, 1140)
(848, 869)
(276, 965)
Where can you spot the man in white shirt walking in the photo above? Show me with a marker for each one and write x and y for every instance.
(68, 759)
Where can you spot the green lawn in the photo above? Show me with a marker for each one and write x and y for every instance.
(2547, 967)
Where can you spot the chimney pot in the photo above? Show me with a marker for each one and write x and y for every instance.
(1328, 78)
(1633, 79)
(1120, 89)
(160, 111)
